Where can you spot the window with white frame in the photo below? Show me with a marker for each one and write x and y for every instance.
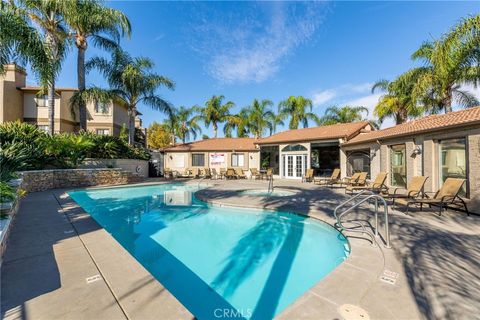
(103, 132)
(42, 100)
(43, 127)
(102, 108)
(238, 159)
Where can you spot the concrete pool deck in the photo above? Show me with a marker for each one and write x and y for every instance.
(60, 263)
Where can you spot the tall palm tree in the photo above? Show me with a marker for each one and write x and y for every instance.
(90, 19)
(449, 62)
(215, 112)
(238, 122)
(48, 16)
(261, 117)
(345, 114)
(22, 43)
(298, 109)
(186, 123)
(397, 102)
(131, 82)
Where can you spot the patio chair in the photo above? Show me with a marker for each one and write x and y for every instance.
(255, 174)
(168, 173)
(207, 173)
(185, 174)
(230, 174)
(378, 185)
(195, 173)
(223, 171)
(350, 180)
(334, 178)
(214, 174)
(269, 174)
(308, 177)
(240, 173)
(414, 190)
(447, 195)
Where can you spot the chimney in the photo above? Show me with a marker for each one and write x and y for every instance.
(11, 99)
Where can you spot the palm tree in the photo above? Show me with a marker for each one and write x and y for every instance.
(239, 122)
(48, 16)
(132, 82)
(214, 112)
(345, 114)
(449, 62)
(299, 110)
(186, 123)
(261, 117)
(22, 43)
(104, 26)
(397, 102)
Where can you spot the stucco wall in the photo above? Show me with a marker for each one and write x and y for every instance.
(11, 100)
(179, 161)
(40, 180)
(139, 167)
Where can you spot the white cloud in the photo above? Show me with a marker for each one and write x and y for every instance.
(341, 93)
(241, 47)
(323, 96)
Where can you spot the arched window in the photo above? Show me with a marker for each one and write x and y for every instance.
(294, 147)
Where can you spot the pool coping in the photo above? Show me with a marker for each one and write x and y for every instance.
(326, 297)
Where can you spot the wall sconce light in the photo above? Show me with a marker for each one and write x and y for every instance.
(417, 151)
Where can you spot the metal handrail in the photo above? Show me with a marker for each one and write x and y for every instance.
(270, 184)
(370, 195)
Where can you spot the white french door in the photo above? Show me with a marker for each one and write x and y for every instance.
(294, 165)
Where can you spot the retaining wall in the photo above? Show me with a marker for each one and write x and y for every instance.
(139, 167)
(40, 180)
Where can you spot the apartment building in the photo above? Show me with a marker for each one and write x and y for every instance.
(19, 102)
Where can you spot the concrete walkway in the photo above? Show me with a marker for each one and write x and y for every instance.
(60, 264)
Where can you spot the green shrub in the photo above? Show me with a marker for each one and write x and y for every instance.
(68, 150)
(7, 193)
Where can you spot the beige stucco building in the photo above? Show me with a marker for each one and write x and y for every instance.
(19, 102)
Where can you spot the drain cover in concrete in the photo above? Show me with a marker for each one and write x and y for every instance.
(389, 277)
(351, 312)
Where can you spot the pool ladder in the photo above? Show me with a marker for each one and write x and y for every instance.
(358, 199)
(270, 184)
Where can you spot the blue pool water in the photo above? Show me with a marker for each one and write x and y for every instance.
(252, 264)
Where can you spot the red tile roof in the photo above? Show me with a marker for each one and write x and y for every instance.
(217, 144)
(336, 131)
(430, 123)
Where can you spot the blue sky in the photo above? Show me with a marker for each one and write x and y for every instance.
(330, 52)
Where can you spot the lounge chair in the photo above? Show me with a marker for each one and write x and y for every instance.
(447, 195)
(214, 174)
(240, 173)
(168, 173)
(185, 174)
(334, 178)
(195, 173)
(230, 174)
(207, 173)
(308, 177)
(223, 171)
(378, 185)
(347, 181)
(255, 174)
(414, 190)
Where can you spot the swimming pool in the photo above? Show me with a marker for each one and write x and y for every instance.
(237, 263)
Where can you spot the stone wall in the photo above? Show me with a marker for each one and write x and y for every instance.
(139, 167)
(40, 180)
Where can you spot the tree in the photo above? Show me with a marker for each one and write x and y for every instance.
(158, 136)
(397, 102)
(261, 118)
(187, 123)
(449, 62)
(345, 114)
(238, 122)
(131, 82)
(104, 26)
(298, 109)
(48, 16)
(214, 112)
(22, 43)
